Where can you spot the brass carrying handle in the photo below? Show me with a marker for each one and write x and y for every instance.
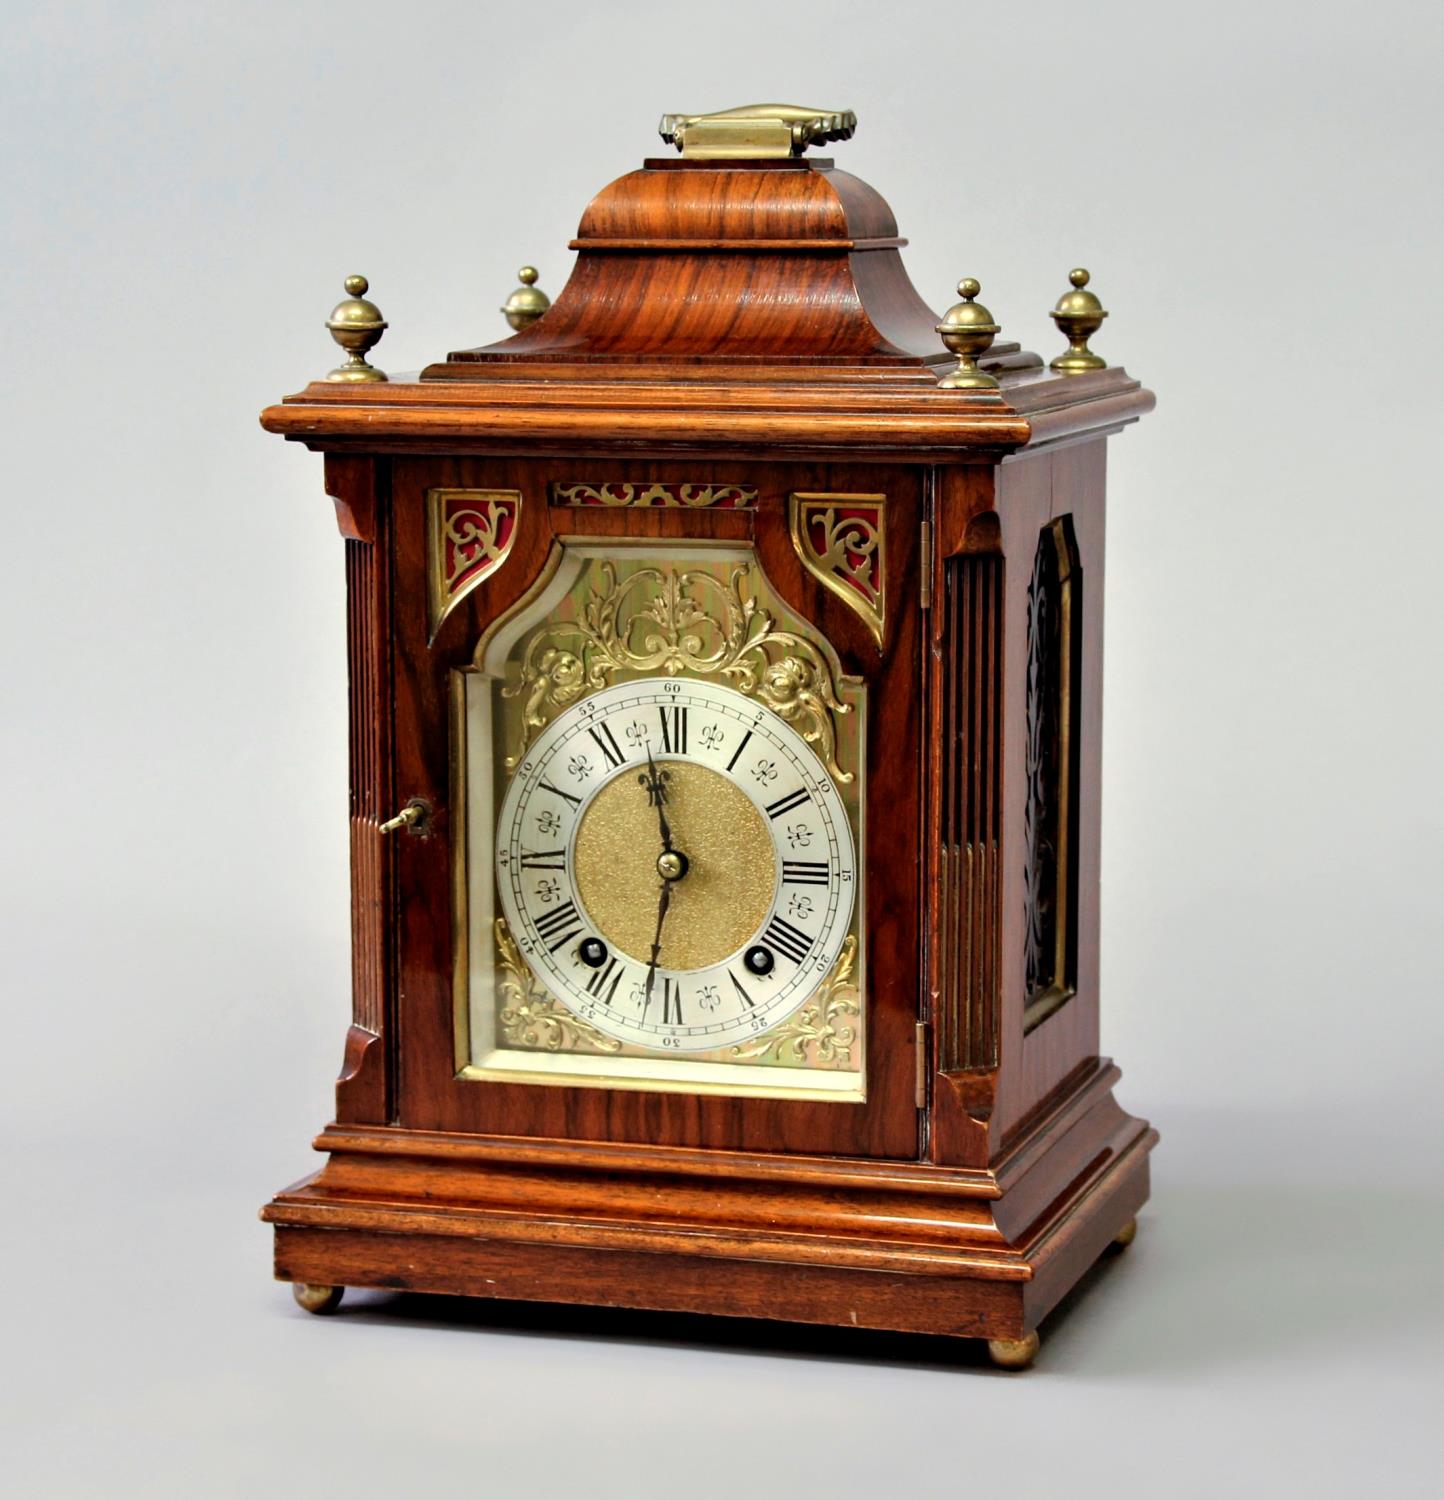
(756, 130)
(414, 818)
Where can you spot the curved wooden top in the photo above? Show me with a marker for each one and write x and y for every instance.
(779, 263)
(751, 306)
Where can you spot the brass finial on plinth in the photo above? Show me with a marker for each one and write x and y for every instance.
(1079, 315)
(528, 302)
(356, 325)
(968, 329)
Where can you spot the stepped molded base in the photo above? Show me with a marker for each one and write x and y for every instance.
(904, 1246)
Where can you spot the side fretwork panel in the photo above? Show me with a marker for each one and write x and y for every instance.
(1014, 794)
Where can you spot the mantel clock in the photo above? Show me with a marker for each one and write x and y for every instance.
(725, 692)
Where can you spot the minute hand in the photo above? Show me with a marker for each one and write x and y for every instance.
(662, 906)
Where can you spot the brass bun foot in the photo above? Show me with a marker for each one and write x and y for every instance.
(315, 1298)
(1126, 1236)
(1014, 1354)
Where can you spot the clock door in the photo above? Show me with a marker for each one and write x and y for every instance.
(669, 734)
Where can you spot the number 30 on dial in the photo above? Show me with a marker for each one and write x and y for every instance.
(676, 864)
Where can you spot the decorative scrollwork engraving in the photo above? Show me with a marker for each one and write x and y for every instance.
(687, 496)
(469, 534)
(673, 622)
(839, 539)
(528, 1016)
(821, 1032)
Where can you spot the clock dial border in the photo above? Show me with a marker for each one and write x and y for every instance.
(816, 1053)
(796, 977)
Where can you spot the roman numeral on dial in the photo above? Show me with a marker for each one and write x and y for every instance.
(804, 871)
(787, 940)
(671, 1002)
(737, 985)
(674, 728)
(556, 791)
(559, 926)
(741, 746)
(603, 984)
(787, 803)
(543, 859)
(607, 743)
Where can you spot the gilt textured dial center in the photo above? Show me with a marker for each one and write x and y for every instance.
(731, 870)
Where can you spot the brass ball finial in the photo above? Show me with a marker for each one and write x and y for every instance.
(1079, 315)
(357, 325)
(527, 303)
(968, 330)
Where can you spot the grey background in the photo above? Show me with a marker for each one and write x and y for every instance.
(1256, 189)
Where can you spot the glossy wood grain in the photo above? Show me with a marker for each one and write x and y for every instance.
(730, 262)
(904, 1247)
(432, 1097)
(748, 324)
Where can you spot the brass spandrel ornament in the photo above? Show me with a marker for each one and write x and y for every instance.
(724, 795)
(842, 541)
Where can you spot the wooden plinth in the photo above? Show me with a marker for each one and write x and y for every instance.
(904, 1246)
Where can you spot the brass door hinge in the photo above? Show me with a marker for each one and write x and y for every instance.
(925, 563)
(920, 1064)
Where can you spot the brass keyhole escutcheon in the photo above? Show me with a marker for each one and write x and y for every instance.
(415, 818)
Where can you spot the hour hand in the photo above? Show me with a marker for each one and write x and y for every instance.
(657, 792)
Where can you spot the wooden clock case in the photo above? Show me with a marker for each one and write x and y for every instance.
(743, 323)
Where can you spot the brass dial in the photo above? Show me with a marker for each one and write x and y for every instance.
(731, 868)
